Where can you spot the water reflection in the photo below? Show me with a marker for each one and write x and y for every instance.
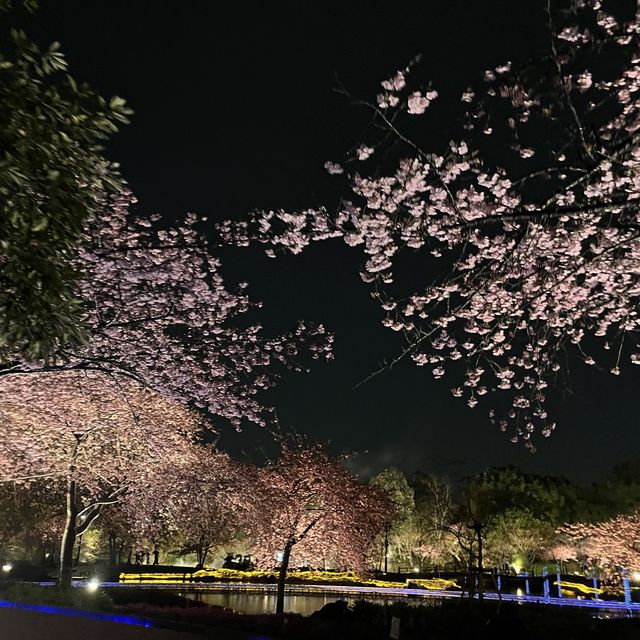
(256, 603)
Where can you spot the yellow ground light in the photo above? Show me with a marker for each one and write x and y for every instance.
(347, 578)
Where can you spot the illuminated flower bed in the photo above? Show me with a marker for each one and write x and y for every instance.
(345, 578)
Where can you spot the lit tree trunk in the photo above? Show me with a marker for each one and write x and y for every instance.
(478, 529)
(386, 548)
(68, 537)
(156, 555)
(470, 572)
(78, 550)
(282, 575)
(202, 551)
(112, 548)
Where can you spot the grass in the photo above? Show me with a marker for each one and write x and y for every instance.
(75, 598)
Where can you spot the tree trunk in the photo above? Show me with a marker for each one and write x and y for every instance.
(68, 537)
(480, 566)
(470, 573)
(156, 555)
(112, 548)
(78, 550)
(386, 548)
(202, 550)
(282, 575)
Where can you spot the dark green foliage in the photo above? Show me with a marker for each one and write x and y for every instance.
(53, 177)
(77, 598)
(152, 598)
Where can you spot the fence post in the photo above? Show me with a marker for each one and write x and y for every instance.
(558, 579)
(627, 586)
(545, 584)
(594, 578)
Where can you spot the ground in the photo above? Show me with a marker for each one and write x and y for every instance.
(17, 624)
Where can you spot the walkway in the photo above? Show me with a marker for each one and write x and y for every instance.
(35, 622)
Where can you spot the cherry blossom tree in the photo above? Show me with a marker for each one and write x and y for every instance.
(307, 509)
(207, 504)
(611, 545)
(164, 330)
(531, 211)
(158, 313)
(96, 435)
(194, 509)
(30, 520)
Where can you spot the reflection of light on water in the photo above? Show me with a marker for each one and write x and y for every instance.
(303, 604)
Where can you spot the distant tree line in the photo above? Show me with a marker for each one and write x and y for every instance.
(506, 519)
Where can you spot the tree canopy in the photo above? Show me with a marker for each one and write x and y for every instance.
(54, 176)
(530, 211)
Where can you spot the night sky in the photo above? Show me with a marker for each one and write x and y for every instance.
(235, 110)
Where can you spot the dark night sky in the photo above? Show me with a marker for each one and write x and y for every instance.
(235, 110)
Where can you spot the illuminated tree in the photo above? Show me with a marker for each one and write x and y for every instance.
(611, 545)
(207, 504)
(400, 536)
(160, 319)
(196, 507)
(434, 506)
(30, 520)
(96, 435)
(159, 314)
(531, 209)
(307, 509)
(516, 536)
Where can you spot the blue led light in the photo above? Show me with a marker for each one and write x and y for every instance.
(77, 613)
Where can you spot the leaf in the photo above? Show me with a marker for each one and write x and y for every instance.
(40, 224)
(117, 102)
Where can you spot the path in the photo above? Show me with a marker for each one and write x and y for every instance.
(34, 623)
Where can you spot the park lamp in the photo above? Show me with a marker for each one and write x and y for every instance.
(635, 576)
(7, 567)
(92, 585)
(516, 567)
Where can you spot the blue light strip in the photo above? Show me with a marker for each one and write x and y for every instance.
(77, 613)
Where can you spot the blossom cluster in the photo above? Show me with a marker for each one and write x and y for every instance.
(532, 211)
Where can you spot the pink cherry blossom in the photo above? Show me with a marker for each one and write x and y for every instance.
(540, 248)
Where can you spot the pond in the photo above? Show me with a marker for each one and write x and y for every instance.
(257, 603)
